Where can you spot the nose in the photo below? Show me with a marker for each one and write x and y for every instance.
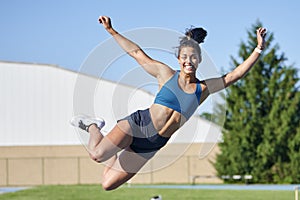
(188, 60)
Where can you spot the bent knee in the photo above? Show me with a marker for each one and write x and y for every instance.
(108, 185)
(113, 179)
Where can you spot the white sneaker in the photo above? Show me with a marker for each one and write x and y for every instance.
(84, 122)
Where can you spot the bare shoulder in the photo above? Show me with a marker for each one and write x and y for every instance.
(165, 73)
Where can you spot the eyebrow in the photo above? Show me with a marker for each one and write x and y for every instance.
(184, 54)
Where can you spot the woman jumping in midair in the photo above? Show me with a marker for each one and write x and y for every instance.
(141, 134)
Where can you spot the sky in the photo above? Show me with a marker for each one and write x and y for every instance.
(64, 32)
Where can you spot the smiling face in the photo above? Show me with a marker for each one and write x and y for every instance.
(188, 59)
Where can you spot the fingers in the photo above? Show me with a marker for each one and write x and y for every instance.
(261, 31)
(103, 19)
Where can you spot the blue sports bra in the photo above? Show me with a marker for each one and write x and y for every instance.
(171, 96)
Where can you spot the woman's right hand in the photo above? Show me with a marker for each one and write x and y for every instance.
(105, 21)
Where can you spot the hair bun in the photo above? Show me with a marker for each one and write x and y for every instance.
(197, 34)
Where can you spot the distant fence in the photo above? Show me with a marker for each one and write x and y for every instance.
(297, 193)
(246, 178)
(224, 177)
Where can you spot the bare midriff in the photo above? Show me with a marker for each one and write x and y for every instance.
(165, 120)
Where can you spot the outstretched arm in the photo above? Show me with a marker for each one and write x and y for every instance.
(217, 84)
(153, 67)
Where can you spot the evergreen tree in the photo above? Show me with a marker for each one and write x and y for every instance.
(261, 130)
(217, 115)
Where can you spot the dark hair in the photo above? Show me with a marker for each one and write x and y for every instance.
(193, 37)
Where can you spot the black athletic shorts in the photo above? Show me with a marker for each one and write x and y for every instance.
(146, 141)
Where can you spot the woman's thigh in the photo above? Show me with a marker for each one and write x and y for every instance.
(117, 139)
(120, 135)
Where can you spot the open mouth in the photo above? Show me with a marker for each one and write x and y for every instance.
(189, 67)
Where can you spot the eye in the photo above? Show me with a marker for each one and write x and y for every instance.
(183, 57)
(195, 58)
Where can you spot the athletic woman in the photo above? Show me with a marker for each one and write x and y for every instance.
(140, 135)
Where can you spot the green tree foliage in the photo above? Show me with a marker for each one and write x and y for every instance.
(217, 115)
(261, 133)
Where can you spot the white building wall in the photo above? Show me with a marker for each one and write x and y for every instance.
(36, 105)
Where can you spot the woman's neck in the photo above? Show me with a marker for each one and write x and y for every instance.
(187, 78)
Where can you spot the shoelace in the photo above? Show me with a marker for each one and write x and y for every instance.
(83, 126)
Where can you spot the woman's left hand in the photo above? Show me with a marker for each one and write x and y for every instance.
(261, 34)
(105, 21)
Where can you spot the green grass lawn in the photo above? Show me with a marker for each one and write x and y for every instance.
(90, 192)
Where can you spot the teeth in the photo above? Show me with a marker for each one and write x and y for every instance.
(188, 67)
